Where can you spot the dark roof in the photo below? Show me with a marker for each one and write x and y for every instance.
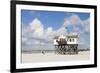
(72, 36)
(68, 36)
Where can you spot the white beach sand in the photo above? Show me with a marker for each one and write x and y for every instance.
(49, 57)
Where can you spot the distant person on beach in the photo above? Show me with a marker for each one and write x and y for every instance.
(43, 52)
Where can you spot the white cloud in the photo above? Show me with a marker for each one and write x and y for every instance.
(36, 24)
(37, 29)
(72, 20)
(66, 22)
(75, 20)
(49, 30)
(81, 27)
(87, 25)
(35, 34)
(61, 31)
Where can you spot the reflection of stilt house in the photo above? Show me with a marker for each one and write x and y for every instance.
(66, 44)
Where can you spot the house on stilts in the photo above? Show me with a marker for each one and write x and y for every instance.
(66, 44)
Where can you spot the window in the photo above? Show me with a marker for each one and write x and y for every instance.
(70, 40)
(73, 39)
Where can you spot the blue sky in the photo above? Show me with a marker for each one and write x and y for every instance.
(52, 21)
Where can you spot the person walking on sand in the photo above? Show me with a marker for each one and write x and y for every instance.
(43, 52)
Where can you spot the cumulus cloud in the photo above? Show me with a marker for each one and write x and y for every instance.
(79, 26)
(77, 23)
(49, 32)
(37, 28)
(35, 34)
(72, 20)
(61, 31)
(87, 25)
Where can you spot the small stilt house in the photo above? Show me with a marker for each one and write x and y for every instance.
(66, 44)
